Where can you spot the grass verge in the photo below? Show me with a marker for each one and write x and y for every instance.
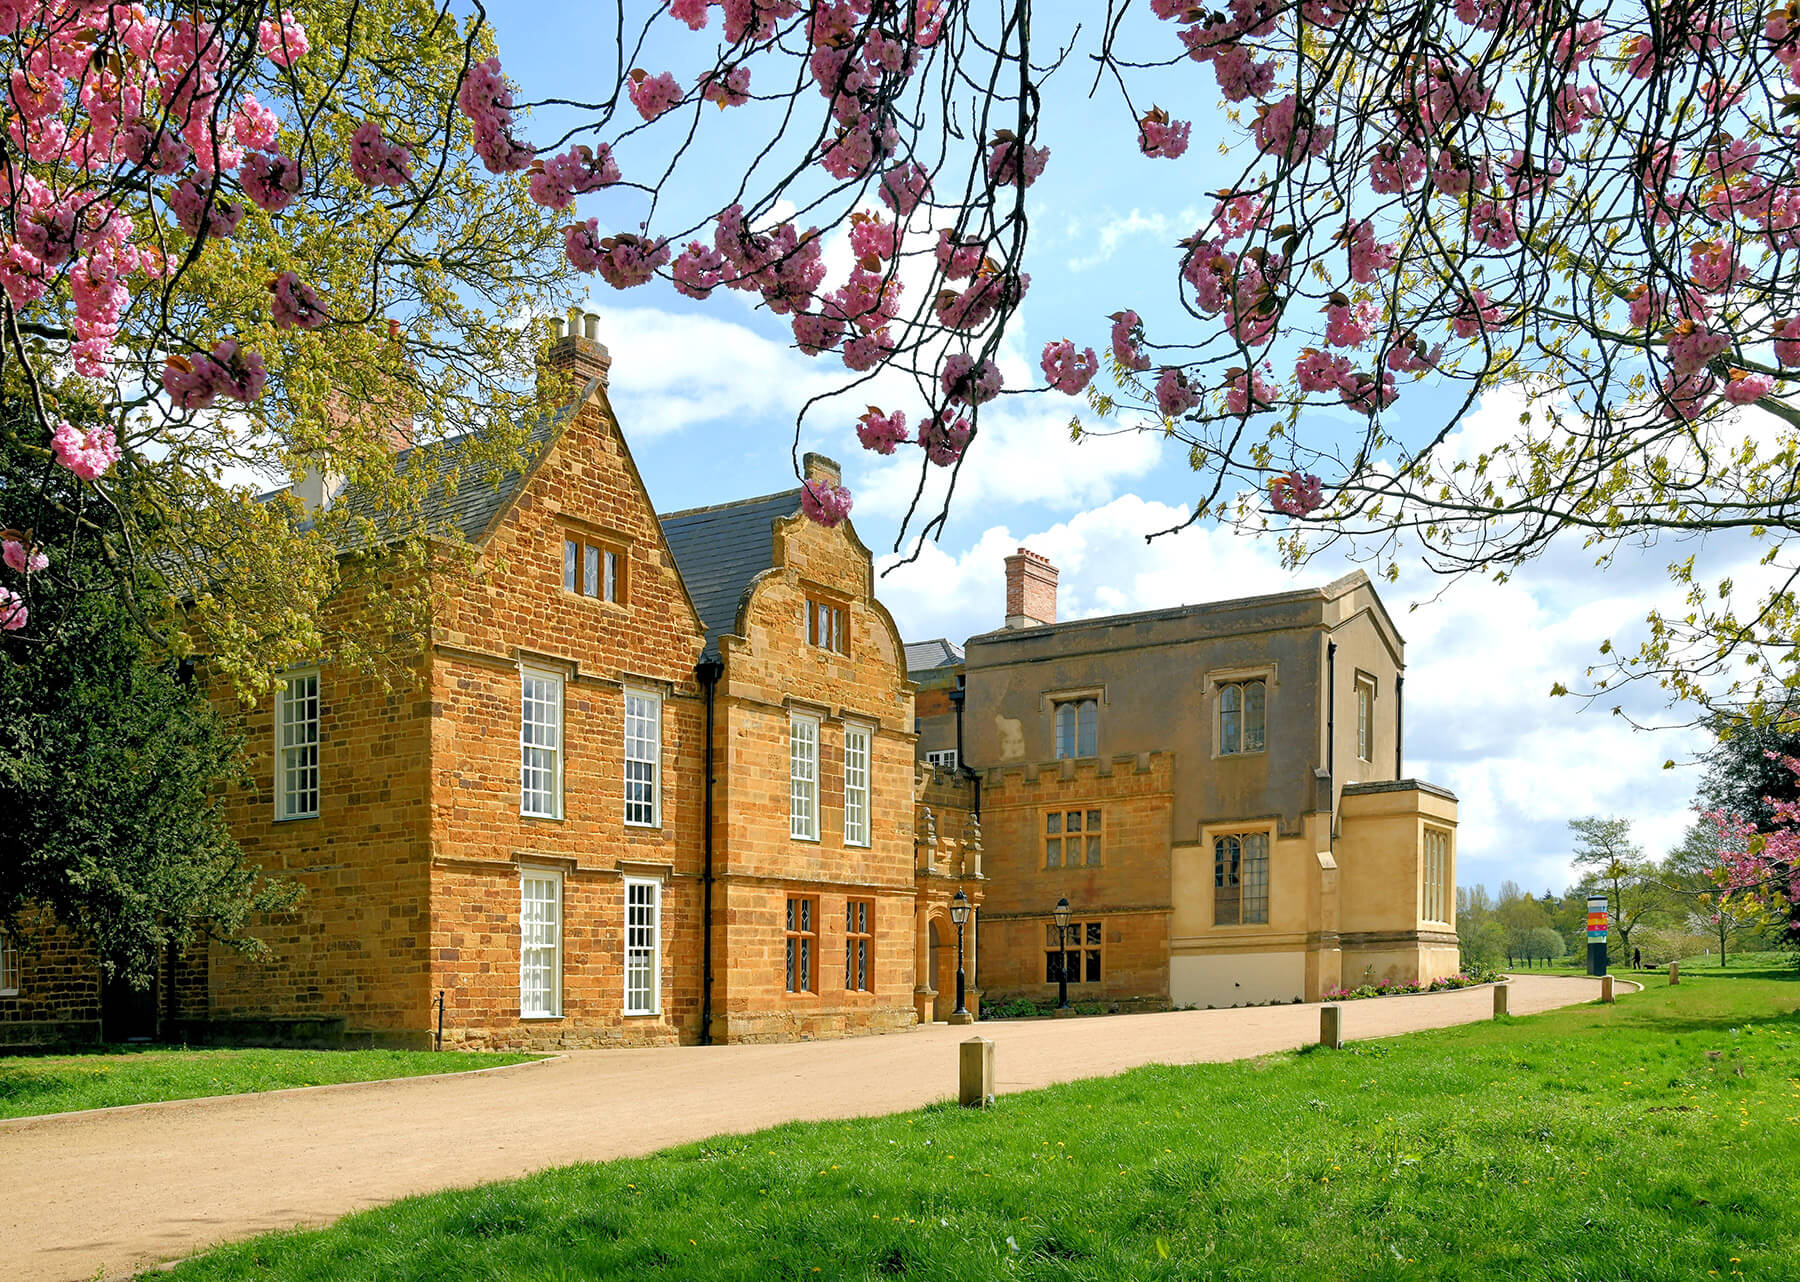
(1652, 1139)
(31, 1085)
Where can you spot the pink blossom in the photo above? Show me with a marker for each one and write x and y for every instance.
(1349, 324)
(487, 103)
(88, 454)
(873, 239)
(254, 125)
(271, 180)
(729, 90)
(1127, 333)
(1287, 130)
(1491, 224)
(375, 161)
(295, 304)
(1369, 392)
(1247, 391)
(904, 186)
(697, 270)
(1160, 136)
(193, 206)
(13, 612)
(883, 433)
(1477, 315)
(1367, 257)
(1685, 396)
(868, 299)
(157, 150)
(866, 351)
(1396, 168)
(1693, 347)
(966, 383)
(1574, 107)
(815, 332)
(1787, 341)
(825, 502)
(654, 95)
(23, 559)
(1317, 371)
(1068, 371)
(1296, 493)
(958, 258)
(1715, 266)
(1175, 396)
(1239, 215)
(282, 43)
(945, 437)
(1003, 166)
(692, 12)
(1745, 388)
(195, 383)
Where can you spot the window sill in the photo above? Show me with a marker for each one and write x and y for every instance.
(642, 1014)
(293, 819)
(526, 814)
(538, 1019)
(643, 827)
(1239, 756)
(813, 841)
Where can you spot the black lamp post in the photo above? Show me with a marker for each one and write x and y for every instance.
(959, 913)
(1062, 953)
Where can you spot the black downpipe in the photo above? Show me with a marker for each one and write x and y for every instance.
(707, 672)
(962, 766)
(1400, 726)
(1331, 737)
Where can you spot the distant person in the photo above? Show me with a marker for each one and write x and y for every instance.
(1637, 959)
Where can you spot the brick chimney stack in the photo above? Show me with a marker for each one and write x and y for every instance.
(576, 347)
(819, 468)
(1030, 590)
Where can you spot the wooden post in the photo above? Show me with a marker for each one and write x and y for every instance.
(1606, 988)
(975, 1059)
(1331, 1027)
(1501, 993)
(1674, 974)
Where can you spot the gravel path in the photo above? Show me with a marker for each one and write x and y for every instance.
(121, 1189)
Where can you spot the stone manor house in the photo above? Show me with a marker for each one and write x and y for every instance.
(677, 777)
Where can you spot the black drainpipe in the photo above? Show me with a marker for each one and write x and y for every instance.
(707, 672)
(1331, 737)
(1400, 726)
(962, 767)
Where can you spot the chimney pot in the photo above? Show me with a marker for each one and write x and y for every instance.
(582, 356)
(1030, 590)
(556, 327)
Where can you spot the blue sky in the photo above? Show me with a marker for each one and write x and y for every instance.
(707, 395)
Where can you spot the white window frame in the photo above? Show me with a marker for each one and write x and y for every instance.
(803, 776)
(859, 757)
(9, 966)
(553, 878)
(526, 744)
(635, 949)
(942, 757)
(652, 741)
(285, 697)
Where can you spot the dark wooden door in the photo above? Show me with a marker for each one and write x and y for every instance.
(127, 1014)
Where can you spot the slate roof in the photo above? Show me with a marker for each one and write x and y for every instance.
(939, 652)
(719, 550)
(483, 487)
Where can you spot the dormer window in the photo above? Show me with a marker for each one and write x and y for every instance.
(594, 570)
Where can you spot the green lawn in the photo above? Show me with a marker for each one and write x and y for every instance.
(1659, 1138)
(31, 1085)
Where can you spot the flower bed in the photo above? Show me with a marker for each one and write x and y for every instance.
(1444, 984)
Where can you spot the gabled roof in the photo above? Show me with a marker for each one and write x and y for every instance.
(939, 652)
(484, 488)
(720, 550)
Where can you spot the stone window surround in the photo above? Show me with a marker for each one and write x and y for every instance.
(853, 725)
(1087, 811)
(1445, 880)
(1213, 678)
(282, 813)
(655, 693)
(531, 665)
(813, 827)
(607, 539)
(529, 870)
(1209, 833)
(1050, 700)
(9, 967)
(800, 944)
(1362, 680)
(654, 880)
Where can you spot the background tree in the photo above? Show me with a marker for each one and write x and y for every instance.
(112, 768)
(1541, 943)
(1615, 865)
(1693, 875)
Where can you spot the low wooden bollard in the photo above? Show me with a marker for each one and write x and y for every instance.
(1331, 1027)
(1674, 973)
(975, 1062)
(1501, 992)
(1606, 988)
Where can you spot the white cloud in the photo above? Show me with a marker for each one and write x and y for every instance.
(1119, 227)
